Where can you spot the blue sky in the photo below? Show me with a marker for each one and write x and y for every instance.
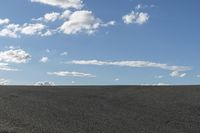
(81, 42)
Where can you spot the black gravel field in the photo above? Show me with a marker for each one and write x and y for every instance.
(100, 109)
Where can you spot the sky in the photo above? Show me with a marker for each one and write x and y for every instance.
(99, 42)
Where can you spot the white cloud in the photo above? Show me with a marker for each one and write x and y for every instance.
(44, 83)
(137, 64)
(32, 29)
(15, 56)
(48, 17)
(141, 6)
(157, 84)
(8, 33)
(82, 21)
(15, 30)
(64, 54)
(10, 30)
(178, 74)
(4, 82)
(77, 4)
(48, 33)
(136, 17)
(66, 14)
(110, 23)
(4, 21)
(51, 16)
(44, 59)
(6, 67)
(161, 84)
(12, 47)
(70, 74)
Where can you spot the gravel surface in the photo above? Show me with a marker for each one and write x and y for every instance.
(100, 109)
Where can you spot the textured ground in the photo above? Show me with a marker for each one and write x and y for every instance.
(108, 109)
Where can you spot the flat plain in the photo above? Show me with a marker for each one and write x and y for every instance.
(100, 109)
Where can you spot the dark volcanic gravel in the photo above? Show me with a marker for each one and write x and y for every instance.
(100, 109)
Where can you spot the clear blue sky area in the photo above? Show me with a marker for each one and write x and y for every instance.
(99, 42)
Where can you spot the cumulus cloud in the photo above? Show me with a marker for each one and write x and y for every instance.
(137, 64)
(136, 18)
(6, 67)
(7, 32)
(32, 29)
(178, 74)
(77, 4)
(51, 16)
(65, 15)
(4, 21)
(4, 82)
(10, 30)
(82, 21)
(15, 56)
(70, 74)
(44, 83)
(48, 17)
(15, 30)
(44, 59)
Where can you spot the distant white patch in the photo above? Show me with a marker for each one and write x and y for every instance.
(141, 6)
(44, 59)
(77, 4)
(44, 83)
(6, 67)
(48, 17)
(47, 51)
(198, 76)
(64, 54)
(12, 47)
(178, 74)
(117, 79)
(136, 17)
(159, 77)
(110, 23)
(176, 70)
(71, 74)
(157, 84)
(4, 21)
(15, 56)
(4, 82)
